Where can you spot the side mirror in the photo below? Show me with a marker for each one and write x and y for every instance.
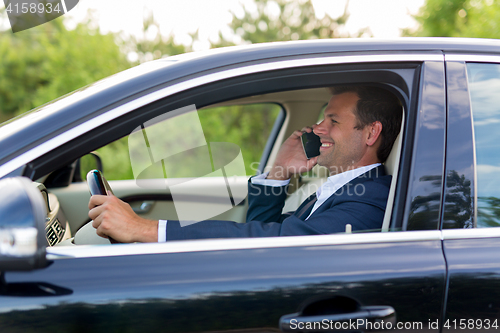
(22, 225)
(91, 161)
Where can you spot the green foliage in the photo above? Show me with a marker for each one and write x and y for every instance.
(247, 126)
(46, 62)
(43, 63)
(283, 20)
(458, 18)
(115, 160)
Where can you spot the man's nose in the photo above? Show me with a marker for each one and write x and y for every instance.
(318, 128)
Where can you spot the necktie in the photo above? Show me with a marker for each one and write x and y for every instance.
(306, 207)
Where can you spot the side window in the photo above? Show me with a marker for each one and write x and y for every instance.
(247, 126)
(484, 86)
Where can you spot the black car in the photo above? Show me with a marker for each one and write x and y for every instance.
(433, 266)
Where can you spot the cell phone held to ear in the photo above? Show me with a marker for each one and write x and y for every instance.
(311, 143)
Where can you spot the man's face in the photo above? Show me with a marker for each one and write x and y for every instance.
(343, 146)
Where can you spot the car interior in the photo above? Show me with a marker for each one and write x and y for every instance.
(300, 108)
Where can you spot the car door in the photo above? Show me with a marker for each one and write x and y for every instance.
(357, 282)
(471, 235)
(224, 285)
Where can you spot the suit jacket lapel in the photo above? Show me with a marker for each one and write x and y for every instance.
(373, 173)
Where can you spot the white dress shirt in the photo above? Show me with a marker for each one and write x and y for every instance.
(326, 190)
(335, 182)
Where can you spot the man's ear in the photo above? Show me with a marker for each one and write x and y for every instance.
(374, 130)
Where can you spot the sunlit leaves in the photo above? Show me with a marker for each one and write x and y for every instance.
(458, 18)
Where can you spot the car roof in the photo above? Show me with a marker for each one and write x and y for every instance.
(28, 130)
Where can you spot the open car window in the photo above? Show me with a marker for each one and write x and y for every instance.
(193, 165)
(170, 176)
(246, 125)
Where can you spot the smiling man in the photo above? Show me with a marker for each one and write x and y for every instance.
(357, 133)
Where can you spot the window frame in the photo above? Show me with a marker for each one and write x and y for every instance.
(458, 75)
(367, 71)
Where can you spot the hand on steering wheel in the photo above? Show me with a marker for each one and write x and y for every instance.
(112, 216)
(98, 185)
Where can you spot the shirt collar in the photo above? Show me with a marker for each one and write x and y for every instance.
(336, 181)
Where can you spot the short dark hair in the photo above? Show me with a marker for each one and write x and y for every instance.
(376, 104)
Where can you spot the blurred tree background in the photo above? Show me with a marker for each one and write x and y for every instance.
(51, 60)
(43, 63)
(48, 61)
(458, 18)
(285, 20)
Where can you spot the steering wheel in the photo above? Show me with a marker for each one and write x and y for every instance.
(87, 235)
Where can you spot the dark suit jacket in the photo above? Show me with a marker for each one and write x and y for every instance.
(361, 203)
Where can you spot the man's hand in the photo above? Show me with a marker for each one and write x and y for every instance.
(115, 218)
(291, 158)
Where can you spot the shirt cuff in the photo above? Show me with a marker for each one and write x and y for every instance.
(261, 180)
(162, 231)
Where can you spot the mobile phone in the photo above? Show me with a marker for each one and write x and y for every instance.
(97, 183)
(311, 143)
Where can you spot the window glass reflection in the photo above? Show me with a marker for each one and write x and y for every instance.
(484, 87)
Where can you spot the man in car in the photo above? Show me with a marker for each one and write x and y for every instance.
(357, 133)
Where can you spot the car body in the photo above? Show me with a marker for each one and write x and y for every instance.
(432, 266)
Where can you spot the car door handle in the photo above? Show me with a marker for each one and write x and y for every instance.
(293, 322)
(144, 207)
